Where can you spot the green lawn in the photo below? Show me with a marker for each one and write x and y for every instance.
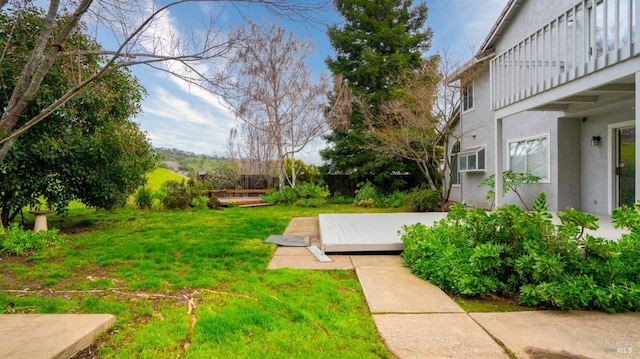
(193, 284)
(157, 177)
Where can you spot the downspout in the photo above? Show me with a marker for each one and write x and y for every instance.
(637, 106)
(498, 164)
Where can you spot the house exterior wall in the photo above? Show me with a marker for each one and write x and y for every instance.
(597, 179)
(477, 130)
(568, 164)
(455, 195)
(580, 175)
(527, 125)
(531, 15)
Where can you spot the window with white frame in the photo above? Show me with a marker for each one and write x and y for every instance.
(530, 156)
(472, 160)
(467, 96)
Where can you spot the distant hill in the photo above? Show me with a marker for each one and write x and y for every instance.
(161, 175)
(186, 161)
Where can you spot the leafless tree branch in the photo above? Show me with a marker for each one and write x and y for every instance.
(195, 61)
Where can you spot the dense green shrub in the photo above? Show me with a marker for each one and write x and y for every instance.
(396, 200)
(177, 195)
(303, 195)
(199, 202)
(424, 200)
(182, 195)
(514, 252)
(367, 195)
(16, 241)
(213, 202)
(144, 198)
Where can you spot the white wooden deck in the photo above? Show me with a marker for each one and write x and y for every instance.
(378, 232)
(374, 232)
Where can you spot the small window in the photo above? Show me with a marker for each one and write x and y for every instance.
(472, 160)
(530, 156)
(467, 96)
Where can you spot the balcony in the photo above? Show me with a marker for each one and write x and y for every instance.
(591, 36)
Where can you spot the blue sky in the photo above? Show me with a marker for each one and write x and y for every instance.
(177, 115)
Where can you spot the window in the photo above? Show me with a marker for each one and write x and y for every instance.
(455, 173)
(530, 156)
(467, 96)
(472, 160)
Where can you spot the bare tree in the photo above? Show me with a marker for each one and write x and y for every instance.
(142, 37)
(259, 152)
(232, 146)
(275, 94)
(419, 124)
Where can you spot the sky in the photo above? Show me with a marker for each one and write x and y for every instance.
(177, 115)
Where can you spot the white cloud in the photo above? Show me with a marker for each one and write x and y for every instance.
(206, 96)
(178, 119)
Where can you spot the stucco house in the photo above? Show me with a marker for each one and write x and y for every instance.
(554, 90)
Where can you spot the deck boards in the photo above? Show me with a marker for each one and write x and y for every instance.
(378, 232)
(370, 232)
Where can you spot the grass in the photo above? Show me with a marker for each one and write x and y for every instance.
(157, 177)
(489, 305)
(193, 284)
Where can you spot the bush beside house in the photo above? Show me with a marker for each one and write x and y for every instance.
(512, 252)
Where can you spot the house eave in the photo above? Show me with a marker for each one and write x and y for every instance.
(503, 21)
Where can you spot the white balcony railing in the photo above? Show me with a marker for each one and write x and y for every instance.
(590, 36)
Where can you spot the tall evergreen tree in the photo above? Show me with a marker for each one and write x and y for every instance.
(378, 42)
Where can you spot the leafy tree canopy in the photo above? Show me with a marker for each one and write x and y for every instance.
(378, 43)
(87, 150)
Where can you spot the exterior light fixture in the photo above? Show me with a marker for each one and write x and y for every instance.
(570, 23)
(595, 141)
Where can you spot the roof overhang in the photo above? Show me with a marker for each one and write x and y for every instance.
(501, 24)
(487, 51)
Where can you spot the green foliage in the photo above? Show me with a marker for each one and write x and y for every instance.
(304, 172)
(378, 41)
(177, 195)
(213, 202)
(144, 198)
(200, 202)
(158, 176)
(185, 194)
(223, 175)
(367, 195)
(396, 199)
(303, 195)
(424, 200)
(510, 181)
(16, 241)
(218, 258)
(88, 150)
(340, 200)
(515, 252)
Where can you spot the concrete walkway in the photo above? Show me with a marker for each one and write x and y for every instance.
(418, 320)
(46, 336)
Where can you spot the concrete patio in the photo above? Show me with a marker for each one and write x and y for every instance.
(417, 320)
